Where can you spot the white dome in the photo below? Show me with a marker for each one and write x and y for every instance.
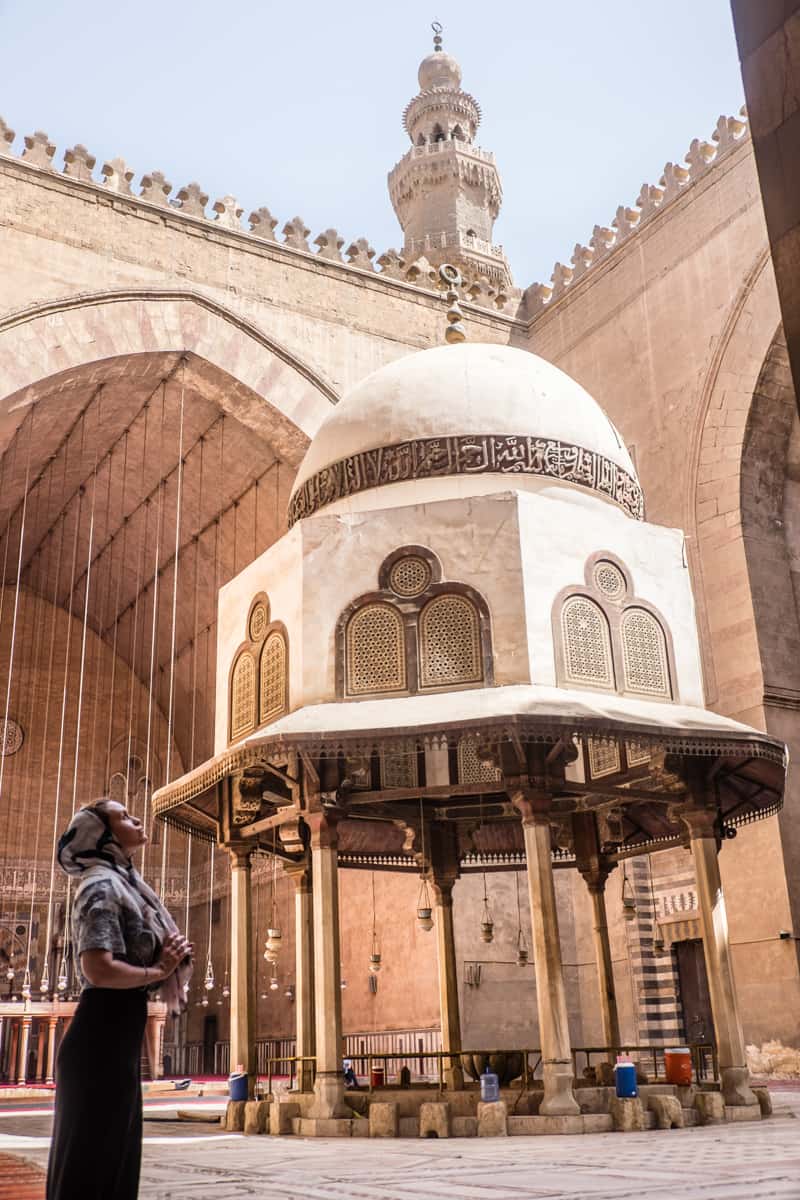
(539, 421)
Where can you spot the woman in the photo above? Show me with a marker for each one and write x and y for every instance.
(124, 943)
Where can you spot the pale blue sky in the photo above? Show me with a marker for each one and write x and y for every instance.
(298, 107)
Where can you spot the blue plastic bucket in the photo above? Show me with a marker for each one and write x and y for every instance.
(625, 1079)
(237, 1086)
(490, 1087)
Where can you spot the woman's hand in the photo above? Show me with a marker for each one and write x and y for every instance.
(174, 950)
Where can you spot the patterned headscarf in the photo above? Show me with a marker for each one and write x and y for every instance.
(88, 851)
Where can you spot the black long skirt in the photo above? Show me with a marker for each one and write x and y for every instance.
(96, 1149)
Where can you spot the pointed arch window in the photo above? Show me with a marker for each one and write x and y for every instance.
(587, 643)
(450, 642)
(645, 661)
(375, 651)
(243, 696)
(273, 700)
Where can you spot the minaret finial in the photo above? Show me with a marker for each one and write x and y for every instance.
(436, 26)
(451, 281)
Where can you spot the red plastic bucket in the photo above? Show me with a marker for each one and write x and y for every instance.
(678, 1065)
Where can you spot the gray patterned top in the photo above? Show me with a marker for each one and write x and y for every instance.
(102, 921)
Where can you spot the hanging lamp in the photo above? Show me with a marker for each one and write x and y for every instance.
(487, 923)
(375, 956)
(659, 945)
(522, 949)
(44, 982)
(26, 985)
(628, 899)
(208, 982)
(274, 936)
(424, 907)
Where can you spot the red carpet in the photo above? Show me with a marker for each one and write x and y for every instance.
(20, 1179)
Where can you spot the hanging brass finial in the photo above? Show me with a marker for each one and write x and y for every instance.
(437, 35)
(451, 280)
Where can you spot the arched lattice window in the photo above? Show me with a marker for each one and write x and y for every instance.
(375, 654)
(243, 696)
(272, 682)
(449, 642)
(644, 654)
(587, 643)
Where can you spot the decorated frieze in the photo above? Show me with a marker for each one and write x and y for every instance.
(472, 454)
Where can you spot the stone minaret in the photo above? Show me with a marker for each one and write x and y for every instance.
(445, 190)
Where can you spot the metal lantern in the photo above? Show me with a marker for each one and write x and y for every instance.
(10, 974)
(424, 908)
(62, 980)
(374, 962)
(204, 1002)
(273, 945)
(44, 982)
(208, 982)
(273, 984)
(628, 900)
(226, 991)
(26, 985)
(487, 923)
(659, 945)
(522, 949)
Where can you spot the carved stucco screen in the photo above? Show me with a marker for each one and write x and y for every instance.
(379, 644)
(587, 643)
(610, 644)
(259, 679)
(376, 651)
(450, 642)
(644, 654)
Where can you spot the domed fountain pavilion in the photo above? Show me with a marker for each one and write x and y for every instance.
(470, 649)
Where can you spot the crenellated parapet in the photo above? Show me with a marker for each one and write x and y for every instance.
(191, 202)
(653, 199)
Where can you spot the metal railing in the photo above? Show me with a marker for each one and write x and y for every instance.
(290, 1062)
(287, 1066)
(705, 1066)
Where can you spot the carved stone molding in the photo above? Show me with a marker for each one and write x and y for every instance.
(475, 454)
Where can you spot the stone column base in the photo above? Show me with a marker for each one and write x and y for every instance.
(329, 1098)
(736, 1086)
(325, 1127)
(558, 1100)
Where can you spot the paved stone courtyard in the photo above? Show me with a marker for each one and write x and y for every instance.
(731, 1162)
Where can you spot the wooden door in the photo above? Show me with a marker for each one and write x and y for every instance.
(209, 1041)
(698, 1022)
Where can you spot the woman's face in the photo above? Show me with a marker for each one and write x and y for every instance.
(128, 830)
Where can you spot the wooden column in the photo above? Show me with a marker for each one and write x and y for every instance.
(12, 1049)
(595, 871)
(444, 859)
(304, 972)
(551, 1000)
(52, 1027)
(40, 1049)
(243, 989)
(22, 1059)
(448, 981)
(734, 1074)
(329, 1082)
